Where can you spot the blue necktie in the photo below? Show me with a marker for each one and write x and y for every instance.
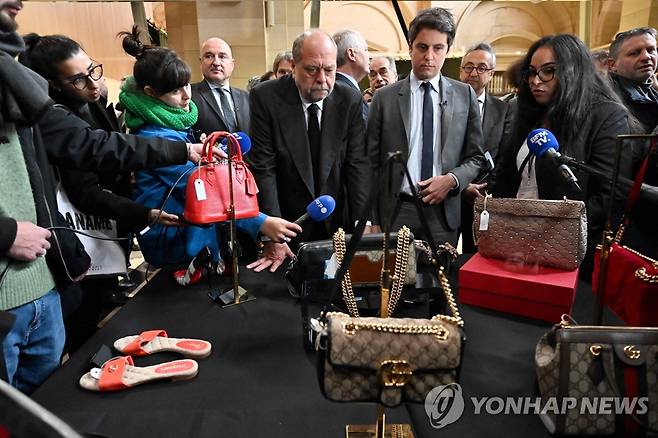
(427, 157)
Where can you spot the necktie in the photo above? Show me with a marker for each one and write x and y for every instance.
(229, 117)
(314, 143)
(427, 157)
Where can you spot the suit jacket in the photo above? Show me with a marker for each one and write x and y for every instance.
(281, 157)
(595, 145)
(496, 124)
(461, 136)
(364, 106)
(210, 115)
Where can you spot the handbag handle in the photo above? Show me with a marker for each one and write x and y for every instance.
(358, 234)
(634, 193)
(234, 151)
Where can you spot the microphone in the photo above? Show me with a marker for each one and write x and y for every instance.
(242, 138)
(318, 210)
(542, 142)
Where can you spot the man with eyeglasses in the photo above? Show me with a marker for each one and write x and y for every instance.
(382, 72)
(477, 69)
(435, 122)
(308, 140)
(633, 62)
(221, 107)
(352, 61)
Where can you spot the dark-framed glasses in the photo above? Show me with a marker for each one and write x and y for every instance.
(545, 74)
(480, 69)
(79, 82)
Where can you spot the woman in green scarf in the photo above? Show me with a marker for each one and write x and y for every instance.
(157, 99)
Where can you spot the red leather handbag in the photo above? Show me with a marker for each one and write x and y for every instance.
(631, 281)
(216, 185)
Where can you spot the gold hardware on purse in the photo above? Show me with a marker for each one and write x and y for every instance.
(546, 232)
(391, 360)
(401, 276)
(590, 362)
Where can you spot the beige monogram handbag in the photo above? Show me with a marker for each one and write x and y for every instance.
(535, 231)
(390, 360)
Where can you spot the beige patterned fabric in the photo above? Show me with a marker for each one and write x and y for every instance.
(353, 357)
(534, 231)
(583, 364)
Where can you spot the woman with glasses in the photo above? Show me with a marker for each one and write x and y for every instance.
(76, 82)
(562, 92)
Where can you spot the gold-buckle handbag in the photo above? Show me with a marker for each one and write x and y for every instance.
(390, 360)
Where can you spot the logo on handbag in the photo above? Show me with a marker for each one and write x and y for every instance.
(444, 405)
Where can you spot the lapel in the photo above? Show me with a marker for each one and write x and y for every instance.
(489, 116)
(447, 109)
(208, 95)
(404, 103)
(292, 126)
(331, 111)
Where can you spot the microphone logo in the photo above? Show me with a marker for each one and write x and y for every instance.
(540, 138)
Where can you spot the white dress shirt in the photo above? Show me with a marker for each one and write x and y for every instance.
(215, 92)
(416, 132)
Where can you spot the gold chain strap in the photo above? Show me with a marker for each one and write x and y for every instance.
(648, 278)
(401, 265)
(346, 284)
(641, 273)
(441, 333)
(452, 304)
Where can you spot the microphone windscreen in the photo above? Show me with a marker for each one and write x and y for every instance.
(540, 140)
(242, 138)
(321, 208)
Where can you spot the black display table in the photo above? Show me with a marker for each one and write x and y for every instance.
(260, 382)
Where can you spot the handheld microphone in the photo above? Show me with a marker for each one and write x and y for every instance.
(542, 142)
(318, 210)
(242, 138)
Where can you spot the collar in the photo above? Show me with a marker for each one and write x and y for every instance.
(349, 78)
(636, 91)
(226, 87)
(415, 82)
(306, 103)
(483, 96)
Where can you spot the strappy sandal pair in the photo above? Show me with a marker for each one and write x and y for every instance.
(121, 373)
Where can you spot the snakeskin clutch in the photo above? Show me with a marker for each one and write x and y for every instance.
(586, 365)
(534, 231)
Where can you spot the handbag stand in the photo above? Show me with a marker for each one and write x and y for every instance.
(229, 297)
(380, 429)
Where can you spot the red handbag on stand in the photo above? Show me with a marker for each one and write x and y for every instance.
(630, 287)
(216, 185)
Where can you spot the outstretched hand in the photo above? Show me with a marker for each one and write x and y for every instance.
(274, 254)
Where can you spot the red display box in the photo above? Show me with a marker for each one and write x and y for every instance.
(533, 291)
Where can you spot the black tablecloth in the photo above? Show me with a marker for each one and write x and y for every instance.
(260, 382)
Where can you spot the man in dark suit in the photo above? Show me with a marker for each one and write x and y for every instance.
(353, 61)
(308, 140)
(435, 122)
(477, 69)
(221, 107)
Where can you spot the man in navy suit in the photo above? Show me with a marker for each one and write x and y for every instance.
(352, 60)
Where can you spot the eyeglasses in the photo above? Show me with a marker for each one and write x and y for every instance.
(80, 81)
(545, 74)
(480, 69)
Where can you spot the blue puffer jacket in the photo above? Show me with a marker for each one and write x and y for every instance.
(176, 245)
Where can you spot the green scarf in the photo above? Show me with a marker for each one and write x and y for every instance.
(146, 110)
